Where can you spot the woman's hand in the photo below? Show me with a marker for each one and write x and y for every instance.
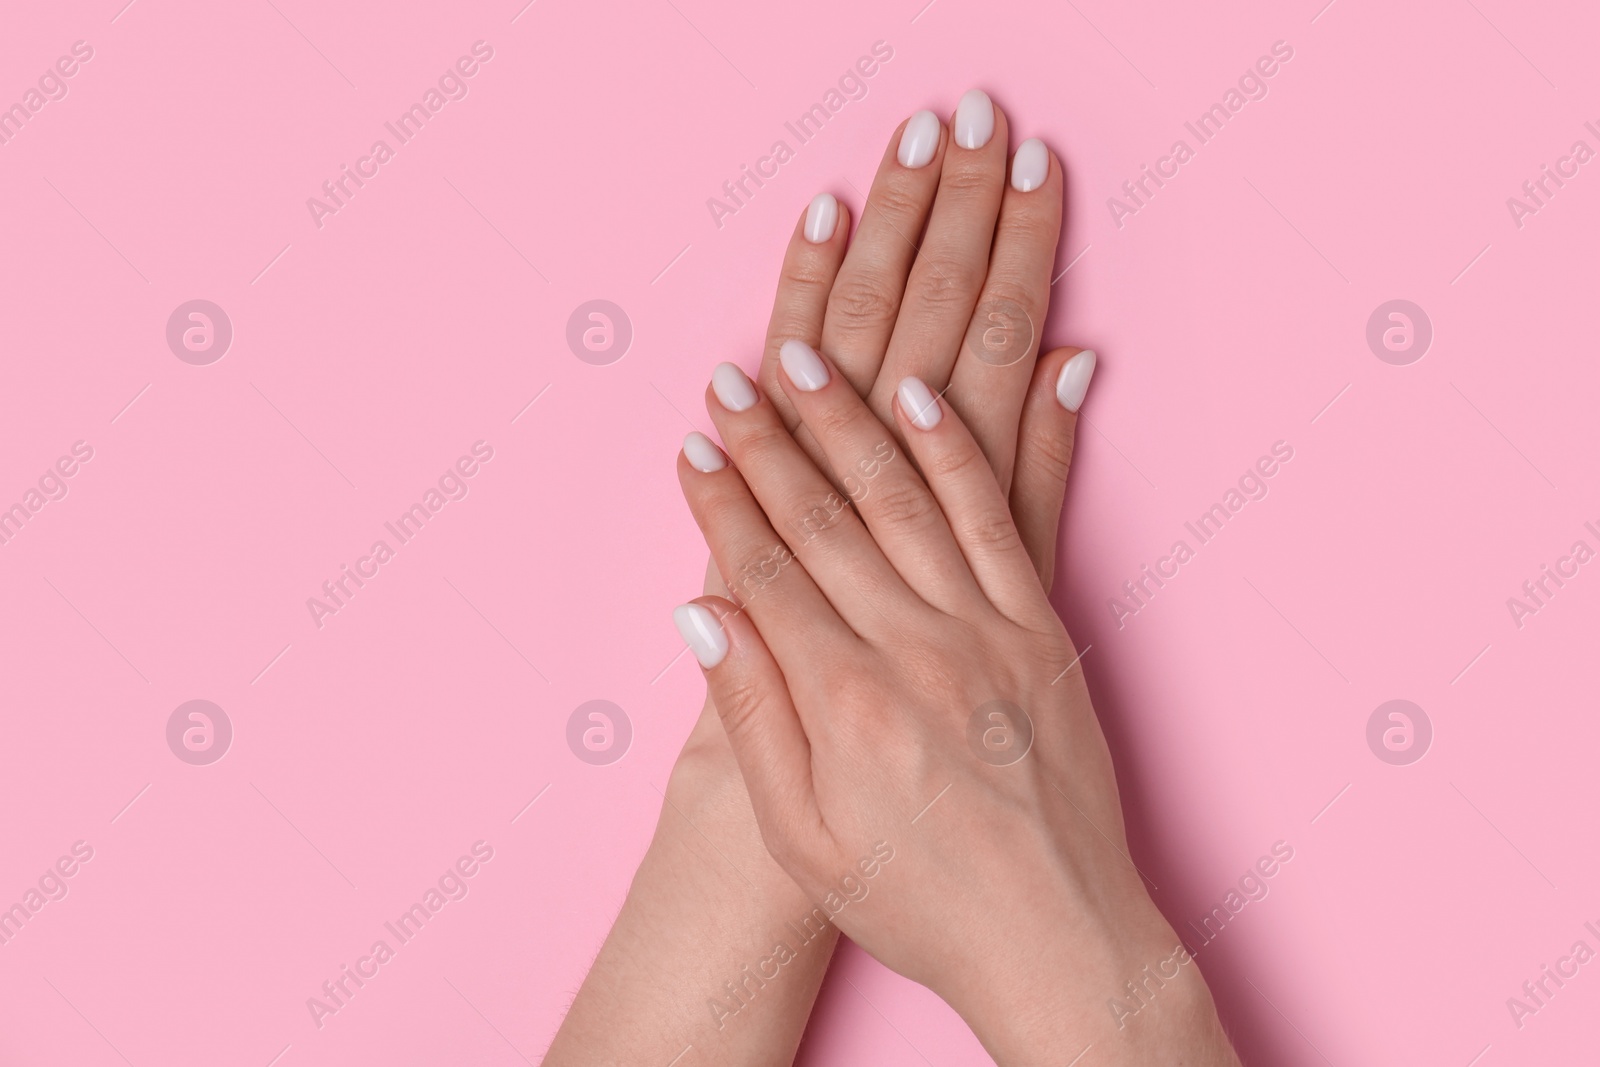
(913, 726)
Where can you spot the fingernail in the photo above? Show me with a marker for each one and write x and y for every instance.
(803, 366)
(822, 218)
(702, 633)
(1030, 166)
(974, 123)
(918, 402)
(1073, 383)
(734, 391)
(702, 455)
(920, 140)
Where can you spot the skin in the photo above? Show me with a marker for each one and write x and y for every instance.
(709, 899)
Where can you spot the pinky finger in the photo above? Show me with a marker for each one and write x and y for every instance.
(1044, 452)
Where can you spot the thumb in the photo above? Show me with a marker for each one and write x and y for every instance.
(1045, 437)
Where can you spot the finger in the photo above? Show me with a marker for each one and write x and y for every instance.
(810, 265)
(996, 360)
(813, 517)
(755, 563)
(866, 295)
(902, 515)
(954, 258)
(976, 510)
(1044, 452)
(761, 721)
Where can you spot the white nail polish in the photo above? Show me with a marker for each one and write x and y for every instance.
(803, 366)
(734, 391)
(1073, 384)
(702, 455)
(919, 403)
(822, 218)
(702, 633)
(1030, 166)
(974, 123)
(920, 140)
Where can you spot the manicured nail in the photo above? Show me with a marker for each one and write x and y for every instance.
(803, 366)
(702, 633)
(920, 140)
(822, 218)
(1073, 383)
(1030, 166)
(918, 401)
(734, 391)
(702, 455)
(974, 123)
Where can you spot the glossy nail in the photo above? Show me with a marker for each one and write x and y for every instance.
(803, 366)
(734, 391)
(1030, 166)
(974, 123)
(702, 455)
(822, 218)
(1073, 384)
(919, 404)
(920, 140)
(702, 633)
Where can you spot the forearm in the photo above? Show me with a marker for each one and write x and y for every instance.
(694, 958)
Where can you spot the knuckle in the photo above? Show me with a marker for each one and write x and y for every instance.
(955, 462)
(992, 530)
(740, 703)
(1049, 453)
(901, 202)
(807, 275)
(950, 282)
(862, 300)
(971, 178)
(904, 504)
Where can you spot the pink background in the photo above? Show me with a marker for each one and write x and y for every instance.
(370, 353)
